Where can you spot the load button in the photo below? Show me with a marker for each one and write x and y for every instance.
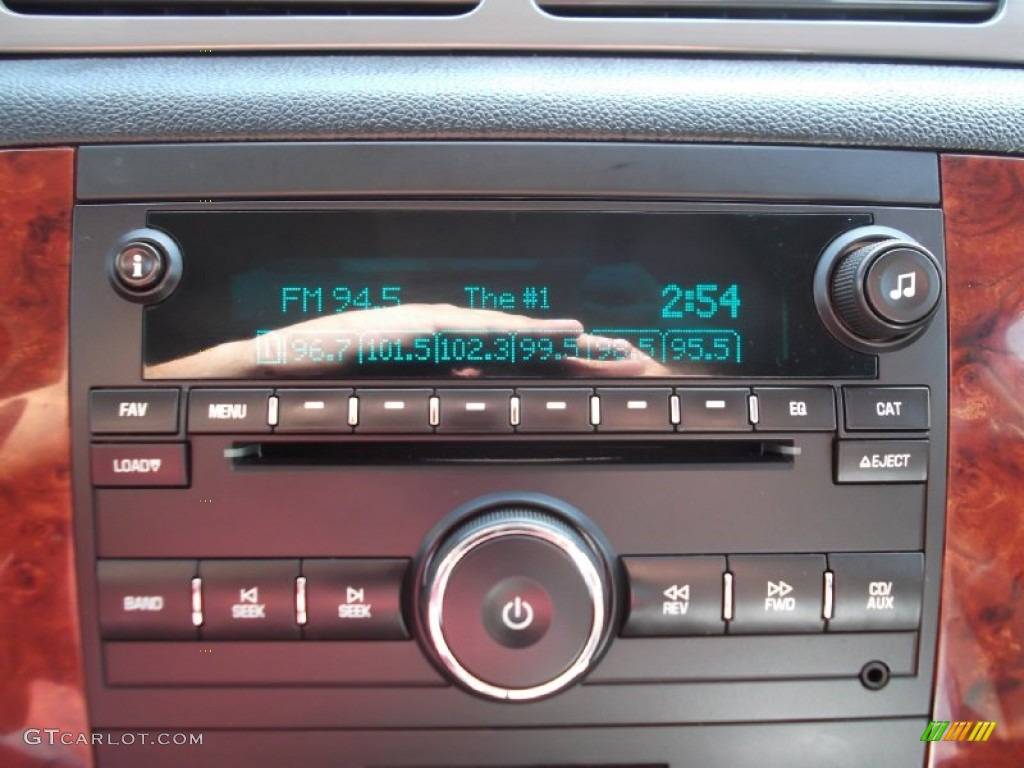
(881, 461)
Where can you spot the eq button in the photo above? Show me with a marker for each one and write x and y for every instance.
(796, 409)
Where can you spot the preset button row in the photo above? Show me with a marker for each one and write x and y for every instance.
(318, 599)
(565, 409)
(769, 594)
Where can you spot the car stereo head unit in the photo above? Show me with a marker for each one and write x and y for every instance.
(507, 460)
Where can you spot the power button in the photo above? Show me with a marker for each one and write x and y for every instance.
(517, 612)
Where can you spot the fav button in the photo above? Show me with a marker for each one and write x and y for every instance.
(777, 593)
(249, 599)
(354, 599)
(137, 465)
(876, 591)
(886, 408)
(133, 411)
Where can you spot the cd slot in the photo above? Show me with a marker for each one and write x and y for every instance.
(673, 452)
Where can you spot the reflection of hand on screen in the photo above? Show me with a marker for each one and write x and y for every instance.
(239, 359)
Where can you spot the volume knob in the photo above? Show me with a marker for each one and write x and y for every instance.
(882, 290)
(516, 604)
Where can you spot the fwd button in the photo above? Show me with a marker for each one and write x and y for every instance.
(777, 593)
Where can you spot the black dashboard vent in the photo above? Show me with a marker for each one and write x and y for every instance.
(243, 7)
(796, 10)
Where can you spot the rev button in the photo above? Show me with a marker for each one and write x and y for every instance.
(161, 465)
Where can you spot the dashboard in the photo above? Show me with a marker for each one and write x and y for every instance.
(560, 384)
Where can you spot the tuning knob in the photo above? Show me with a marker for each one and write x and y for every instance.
(882, 286)
(516, 604)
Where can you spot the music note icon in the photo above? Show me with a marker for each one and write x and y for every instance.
(906, 286)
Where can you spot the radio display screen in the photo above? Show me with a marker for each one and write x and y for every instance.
(468, 293)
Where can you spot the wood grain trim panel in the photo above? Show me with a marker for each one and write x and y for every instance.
(41, 677)
(980, 671)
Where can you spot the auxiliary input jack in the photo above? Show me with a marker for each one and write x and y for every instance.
(875, 675)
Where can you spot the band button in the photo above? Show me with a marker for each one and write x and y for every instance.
(146, 599)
